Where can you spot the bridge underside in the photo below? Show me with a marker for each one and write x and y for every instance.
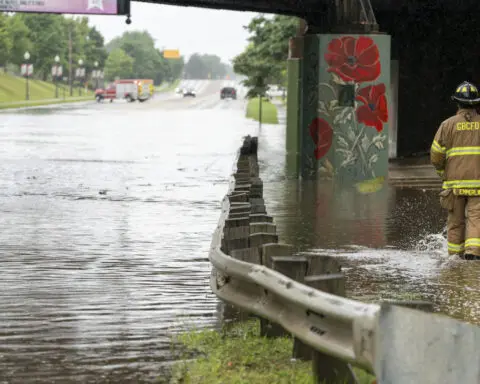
(309, 8)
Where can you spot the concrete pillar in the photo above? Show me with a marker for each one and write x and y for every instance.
(344, 120)
(293, 106)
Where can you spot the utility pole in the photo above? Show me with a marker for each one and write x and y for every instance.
(70, 59)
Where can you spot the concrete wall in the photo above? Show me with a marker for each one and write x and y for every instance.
(293, 115)
(436, 50)
(393, 110)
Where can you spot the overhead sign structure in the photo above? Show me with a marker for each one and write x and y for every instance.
(171, 54)
(87, 7)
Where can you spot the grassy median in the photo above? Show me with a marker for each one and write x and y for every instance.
(168, 87)
(269, 111)
(238, 355)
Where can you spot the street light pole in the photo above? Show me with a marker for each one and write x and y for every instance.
(80, 74)
(26, 71)
(65, 84)
(56, 73)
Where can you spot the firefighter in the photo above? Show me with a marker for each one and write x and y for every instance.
(455, 154)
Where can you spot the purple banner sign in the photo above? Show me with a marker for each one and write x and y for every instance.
(92, 7)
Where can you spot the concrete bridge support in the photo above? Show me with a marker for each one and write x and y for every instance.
(343, 123)
(293, 105)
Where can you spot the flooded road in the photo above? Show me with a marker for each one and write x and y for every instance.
(107, 213)
(390, 242)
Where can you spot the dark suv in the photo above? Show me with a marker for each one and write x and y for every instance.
(228, 92)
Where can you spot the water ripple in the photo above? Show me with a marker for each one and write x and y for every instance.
(104, 236)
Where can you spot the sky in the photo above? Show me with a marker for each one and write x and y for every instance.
(185, 28)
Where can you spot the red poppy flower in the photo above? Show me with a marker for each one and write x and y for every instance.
(374, 112)
(322, 136)
(354, 59)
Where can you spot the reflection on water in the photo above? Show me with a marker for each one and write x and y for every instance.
(390, 242)
(106, 219)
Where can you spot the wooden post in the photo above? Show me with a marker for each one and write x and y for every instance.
(236, 233)
(238, 197)
(256, 189)
(249, 255)
(260, 218)
(325, 275)
(292, 267)
(258, 205)
(263, 228)
(267, 251)
(259, 239)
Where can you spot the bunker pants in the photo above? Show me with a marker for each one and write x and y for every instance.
(463, 226)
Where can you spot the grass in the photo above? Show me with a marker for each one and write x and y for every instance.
(12, 90)
(282, 100)
(269, 111)
(167, 87)
(238, 355)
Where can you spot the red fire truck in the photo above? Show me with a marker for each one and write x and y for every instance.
(128, 89)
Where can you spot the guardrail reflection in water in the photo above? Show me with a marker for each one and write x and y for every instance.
(304, 296)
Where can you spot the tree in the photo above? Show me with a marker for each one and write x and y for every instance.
(118, 64)
(265, 56)
(95, 50)
(5, 41)
(149, 62)
(205, 66)
(196, 68)
(257, 69)
(47, 33)
(45, 36)
(18, 33)
(175, 68)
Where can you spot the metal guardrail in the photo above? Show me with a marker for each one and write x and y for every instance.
(254, 272)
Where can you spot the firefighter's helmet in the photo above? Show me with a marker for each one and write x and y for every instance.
(466, 93)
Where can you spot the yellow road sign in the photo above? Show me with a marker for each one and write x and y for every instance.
(171, 54)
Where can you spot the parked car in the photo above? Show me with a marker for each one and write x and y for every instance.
(229, 92)
(189, 93)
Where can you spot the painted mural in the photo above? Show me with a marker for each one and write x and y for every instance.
(349, 133)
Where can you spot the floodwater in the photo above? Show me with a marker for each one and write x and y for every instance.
(106, 218)
(107, 213)
(390, 243)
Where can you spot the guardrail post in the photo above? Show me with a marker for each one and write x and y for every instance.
(267, 251)
(260, 218)
(259, 239)
(235, 233)
(324, 274)
(295, 268)
(238, 197)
